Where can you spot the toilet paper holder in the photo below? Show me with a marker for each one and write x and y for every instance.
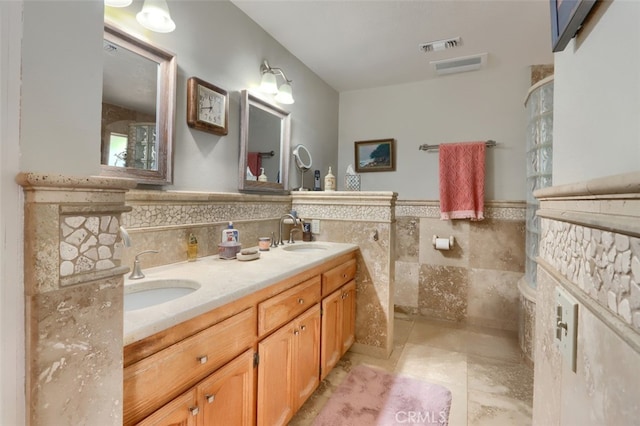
(437, 240)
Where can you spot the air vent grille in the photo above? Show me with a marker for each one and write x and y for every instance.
(461, 64)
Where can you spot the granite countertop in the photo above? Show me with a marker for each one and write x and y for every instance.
(221, 281)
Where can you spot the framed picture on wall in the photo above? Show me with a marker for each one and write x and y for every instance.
(567, 17)
(375, 155)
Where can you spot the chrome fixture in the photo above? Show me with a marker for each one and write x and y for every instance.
(154, 15)
(269, 84)
(291, 241)
(126, 239)
(137, 272)
(295, 220)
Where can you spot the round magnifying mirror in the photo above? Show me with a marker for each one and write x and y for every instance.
(303, 157)
(303, 163)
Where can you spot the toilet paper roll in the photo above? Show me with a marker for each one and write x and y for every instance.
(442, 244)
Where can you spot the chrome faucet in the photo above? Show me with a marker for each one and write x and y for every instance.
(291, 235)
(282, 219)
(137, 272)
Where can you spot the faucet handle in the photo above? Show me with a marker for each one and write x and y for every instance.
(137, 274)
(291, 241)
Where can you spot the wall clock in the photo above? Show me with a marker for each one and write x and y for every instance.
(207, 107)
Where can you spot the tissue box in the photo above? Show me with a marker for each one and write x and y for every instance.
(352, 183)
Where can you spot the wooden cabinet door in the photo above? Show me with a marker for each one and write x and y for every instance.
(182, 411)
(275, 377)
(331, 347)
(227, 397)
(348, 316)
(306, 362)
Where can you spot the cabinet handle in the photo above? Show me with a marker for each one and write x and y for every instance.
(210, 398)
(203, 359)
(301, 301)
(194, 411)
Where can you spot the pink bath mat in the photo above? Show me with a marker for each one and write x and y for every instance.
(369, 396)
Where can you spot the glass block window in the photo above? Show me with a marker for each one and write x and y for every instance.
(539, 158)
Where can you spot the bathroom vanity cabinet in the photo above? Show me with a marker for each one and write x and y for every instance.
(254, 360)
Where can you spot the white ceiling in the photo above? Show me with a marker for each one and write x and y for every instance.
(359, 44)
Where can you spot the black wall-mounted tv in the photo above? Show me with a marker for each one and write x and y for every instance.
(566, 19)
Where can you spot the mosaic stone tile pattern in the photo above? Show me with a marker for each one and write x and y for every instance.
(168, 214)
(345, 212)
(431, 209)
(605, 265)
(88, 243)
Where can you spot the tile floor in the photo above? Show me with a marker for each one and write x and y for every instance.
(482, 368)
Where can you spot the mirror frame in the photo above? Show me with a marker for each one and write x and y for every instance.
(165, 108)
(246, 101)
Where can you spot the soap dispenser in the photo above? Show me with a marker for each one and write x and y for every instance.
(230, 234)
(262, 177)
(192, 248)
(329, 181)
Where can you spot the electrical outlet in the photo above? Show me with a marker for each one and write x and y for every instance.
(566, 332)
(315, 226)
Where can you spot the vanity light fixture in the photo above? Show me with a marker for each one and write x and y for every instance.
(269, 84)
(118, 3)
(155, 16)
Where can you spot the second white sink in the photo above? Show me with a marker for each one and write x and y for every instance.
(304, 247)
(151, 293)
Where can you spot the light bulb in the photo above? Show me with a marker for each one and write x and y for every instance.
(155, 16)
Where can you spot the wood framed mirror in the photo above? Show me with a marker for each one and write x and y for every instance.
(265, 132)
(138, 109)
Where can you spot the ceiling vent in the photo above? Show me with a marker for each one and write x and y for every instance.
(434, 46)
(461, 64)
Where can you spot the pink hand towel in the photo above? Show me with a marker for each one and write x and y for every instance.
(462, 169)
(254, 162)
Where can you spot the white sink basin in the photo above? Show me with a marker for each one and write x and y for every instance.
(304, 247)
(151, 293)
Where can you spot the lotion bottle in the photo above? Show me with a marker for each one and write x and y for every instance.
(329, 181)
(262, 177)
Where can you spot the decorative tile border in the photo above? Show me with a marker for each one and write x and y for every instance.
(431, 209)
(358, 206)
(155, 215)
(605, 265)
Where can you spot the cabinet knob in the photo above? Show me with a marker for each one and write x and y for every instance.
(301, 301)
(194, 411)
(203, 359)
(344, 276)
(210, 398)
(303, 327)
(296, 332)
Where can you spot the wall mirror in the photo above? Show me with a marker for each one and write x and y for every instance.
(138, 109)
(265, 131)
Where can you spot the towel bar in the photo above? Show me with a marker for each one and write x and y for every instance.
(424, 147)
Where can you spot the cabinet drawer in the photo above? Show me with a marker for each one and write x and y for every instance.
(285, 306)
(153, 381)
(341, 274)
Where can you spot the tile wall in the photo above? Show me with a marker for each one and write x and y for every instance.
(476, 281)
(590, 247)
(73, 298)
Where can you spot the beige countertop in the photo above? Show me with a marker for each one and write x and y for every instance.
(221, 281)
